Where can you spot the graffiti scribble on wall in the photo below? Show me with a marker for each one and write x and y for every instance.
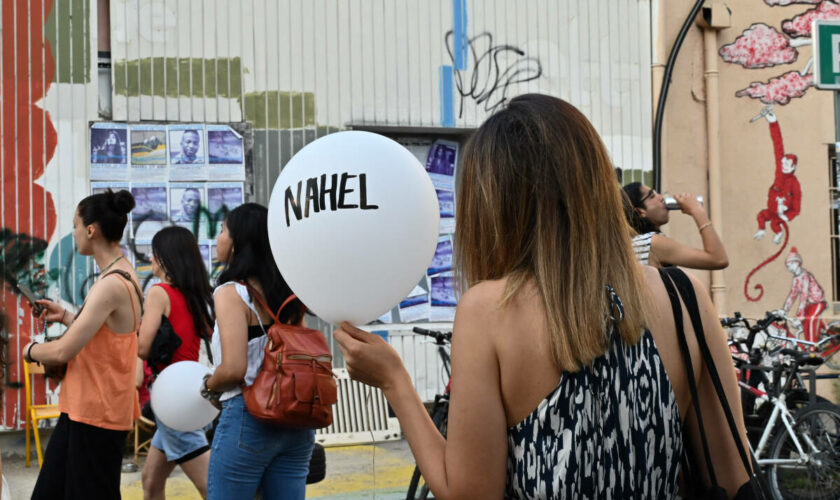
(759, 46)
(800, 26)
(495, 69)
(779, 90)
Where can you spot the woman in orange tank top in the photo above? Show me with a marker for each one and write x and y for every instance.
(98, 398)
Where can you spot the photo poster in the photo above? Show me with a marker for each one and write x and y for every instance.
(148, 152)
(160, 152)
(443, 298)
(440, 164)
(446, 202)
(187, 152)
(109, 151)
(186, 200)
(143, 264)
(204, 250)
(415, 307)
(442, 259)
(225, 152)
(151, 209)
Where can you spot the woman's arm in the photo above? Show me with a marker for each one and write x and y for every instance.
(105, 297)
(156, 304)
(471, 461)
(729, 468)
(713, 254)
(232, 317)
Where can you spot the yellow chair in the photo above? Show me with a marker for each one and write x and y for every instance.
(142, 424)
(34, 413)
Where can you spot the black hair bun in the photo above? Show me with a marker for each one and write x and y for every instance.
(123, 201)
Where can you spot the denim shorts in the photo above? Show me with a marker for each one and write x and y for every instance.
(248, 454)
(179, 446)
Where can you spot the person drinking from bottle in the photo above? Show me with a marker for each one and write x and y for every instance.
(649, 213)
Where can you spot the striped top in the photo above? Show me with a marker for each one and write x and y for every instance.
(641, 246)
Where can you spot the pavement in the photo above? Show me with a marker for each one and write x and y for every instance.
(380, 472)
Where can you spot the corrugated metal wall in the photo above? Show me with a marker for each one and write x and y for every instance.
(293, 69)
(298, 69)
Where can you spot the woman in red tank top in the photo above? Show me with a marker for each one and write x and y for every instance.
(98, 399)
(184, 298)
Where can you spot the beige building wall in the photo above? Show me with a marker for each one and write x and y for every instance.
(746, 149)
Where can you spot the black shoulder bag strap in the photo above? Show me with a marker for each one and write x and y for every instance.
(686, 291)
(692, 383)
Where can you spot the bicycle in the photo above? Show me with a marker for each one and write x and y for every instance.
(804, 456)
(439, 411)
(827, 345)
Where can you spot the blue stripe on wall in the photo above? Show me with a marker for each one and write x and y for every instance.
(447, 113)
(459, 31)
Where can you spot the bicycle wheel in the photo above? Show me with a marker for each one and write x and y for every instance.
(417, 488)
(817, 475)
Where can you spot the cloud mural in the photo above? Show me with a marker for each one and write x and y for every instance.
(779, 90)
(759, 46)
(800, 26)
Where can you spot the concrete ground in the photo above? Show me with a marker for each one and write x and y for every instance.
(379, 472)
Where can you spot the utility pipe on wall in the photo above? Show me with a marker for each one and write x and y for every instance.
(715, 16)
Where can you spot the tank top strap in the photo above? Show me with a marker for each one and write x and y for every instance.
(125, 281)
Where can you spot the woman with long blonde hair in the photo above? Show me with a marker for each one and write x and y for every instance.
(567, 380)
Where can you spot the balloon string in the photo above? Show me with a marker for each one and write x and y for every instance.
(372, 438)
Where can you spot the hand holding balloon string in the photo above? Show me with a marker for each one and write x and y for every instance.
(369, 358)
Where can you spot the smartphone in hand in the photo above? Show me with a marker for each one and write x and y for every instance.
(30, 296)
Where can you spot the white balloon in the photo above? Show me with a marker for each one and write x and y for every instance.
(353, 222)
(176, 397)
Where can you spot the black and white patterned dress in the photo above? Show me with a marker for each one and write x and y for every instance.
(609, 431)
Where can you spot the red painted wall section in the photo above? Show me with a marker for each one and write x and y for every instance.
(28, 143)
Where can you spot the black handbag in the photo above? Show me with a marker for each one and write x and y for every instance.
(163, 347)
(678, 285)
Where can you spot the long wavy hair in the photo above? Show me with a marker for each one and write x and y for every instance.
(176, 250)
(538, 201)
(247, 225)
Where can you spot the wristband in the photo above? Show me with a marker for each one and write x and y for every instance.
(28, 356)
(206, 393)
(704, 226)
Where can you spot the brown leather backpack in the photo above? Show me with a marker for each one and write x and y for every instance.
(295, 386)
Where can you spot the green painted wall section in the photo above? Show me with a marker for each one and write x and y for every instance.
(68, 30)
(178, 77)
(280, 110)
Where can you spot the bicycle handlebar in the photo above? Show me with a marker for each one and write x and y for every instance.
(440, 337)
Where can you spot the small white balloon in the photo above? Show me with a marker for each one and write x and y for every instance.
(353, 222)
(176, 397)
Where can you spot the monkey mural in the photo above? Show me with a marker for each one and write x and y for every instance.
(784, 198)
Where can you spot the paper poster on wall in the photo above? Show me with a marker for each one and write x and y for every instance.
(415, 307)
(443, 300)
(148, 152)
(222, 197)
(185, 202)
(187, 152)
(226, 153)
(204, 250)
(440, 164)
(442, 259)
(150, 209)
(446, 202)
(109, 151)
(143, 263)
